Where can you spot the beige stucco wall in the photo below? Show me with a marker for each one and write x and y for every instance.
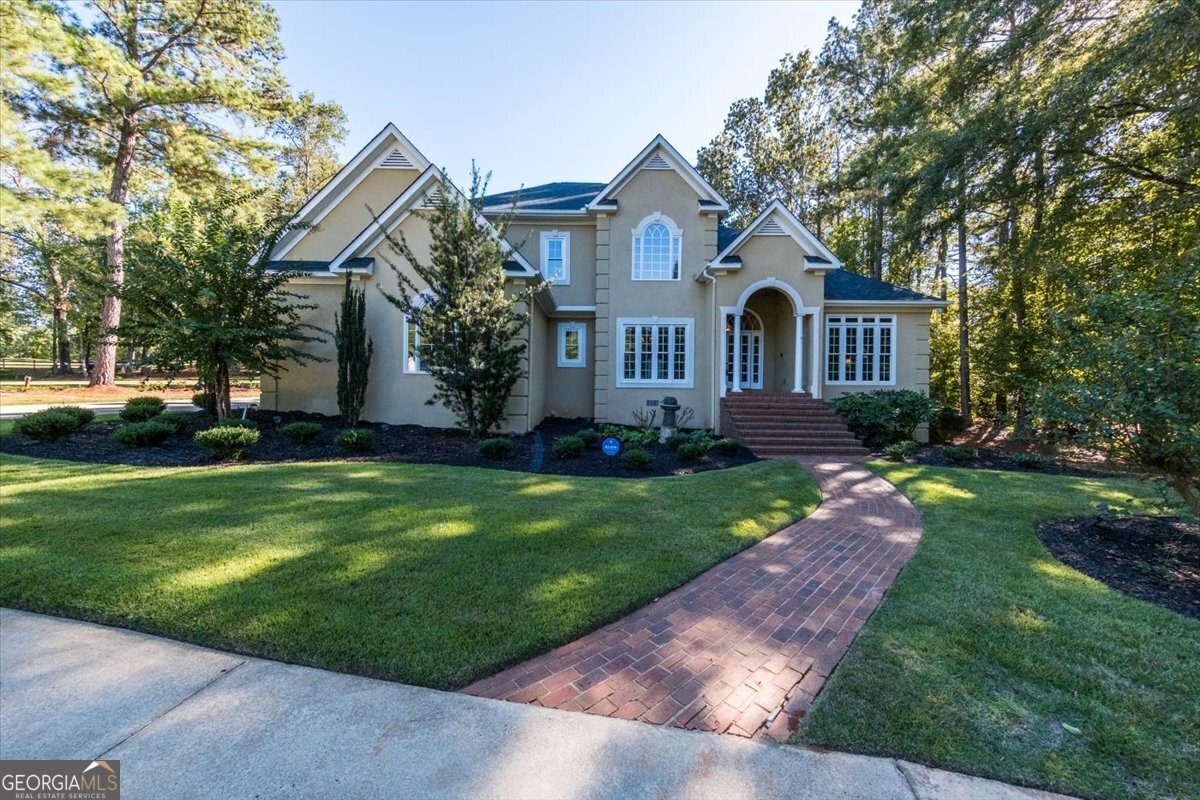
(349, 217)
(582, 289)
(392, 395)
(569, 390)
(618, 295)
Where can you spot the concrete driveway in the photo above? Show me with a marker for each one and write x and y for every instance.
(191, 722)
(14, 411)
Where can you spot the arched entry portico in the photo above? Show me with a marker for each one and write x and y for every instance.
(780, 341)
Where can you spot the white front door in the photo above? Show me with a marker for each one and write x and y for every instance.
(751, 376)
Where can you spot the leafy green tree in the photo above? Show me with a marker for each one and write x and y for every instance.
(354, 350)
(471, 325)
(152, 87)
(310, 134)
(1130, 380)
(200, 295)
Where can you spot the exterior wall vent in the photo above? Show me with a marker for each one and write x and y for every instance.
(396, 160)
(656, 161)
(432, 199)
(771, 228)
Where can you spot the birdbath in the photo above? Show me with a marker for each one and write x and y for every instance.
(669, 406)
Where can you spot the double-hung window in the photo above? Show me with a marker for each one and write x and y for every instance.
(859, 350)
(655, 352)
(556, 257)
(415, 350)
(657, 249)
(572, 344)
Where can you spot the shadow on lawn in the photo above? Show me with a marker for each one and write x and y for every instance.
(433, 576)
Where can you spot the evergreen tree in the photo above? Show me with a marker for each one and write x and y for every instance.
(471, 327)
(354, 349)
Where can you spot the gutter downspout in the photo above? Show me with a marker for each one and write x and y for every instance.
(713, 403)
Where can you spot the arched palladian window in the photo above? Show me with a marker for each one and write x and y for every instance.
(657, 247)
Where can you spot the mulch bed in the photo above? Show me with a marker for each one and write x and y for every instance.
(406, 443)
(1156, 559)
(989, 458)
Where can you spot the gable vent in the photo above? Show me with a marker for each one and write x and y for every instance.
(771, 228)
(656, 161)
(432, 198)
(396, 160)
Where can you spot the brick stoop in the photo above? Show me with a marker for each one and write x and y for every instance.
(787, 424)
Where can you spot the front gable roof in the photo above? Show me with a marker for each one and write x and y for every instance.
(777, 220)
(419, 194)
(389, 149)
(659, 154)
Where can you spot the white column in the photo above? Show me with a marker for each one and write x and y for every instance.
(798, 377)
(737, 351)
(818, 336)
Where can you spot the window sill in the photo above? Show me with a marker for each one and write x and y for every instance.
(626, 384)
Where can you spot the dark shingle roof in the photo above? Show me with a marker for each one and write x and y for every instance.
(725, 236)
(319, 266)
(547, 197)
(843, 285)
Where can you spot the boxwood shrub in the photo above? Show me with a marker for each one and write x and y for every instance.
(900, 451)
(959, 455)
(301, 432)
(726, 446)
(49, 425)
(568, 447)
(356, 440)
(884, 416)
(590, 436)
(150, 433)
(178, 422)
(140, 409)
(637, 459)
(226, 442)
(690, 452)
(498, 448)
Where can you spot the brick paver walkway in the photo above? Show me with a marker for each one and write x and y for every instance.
(745, 647)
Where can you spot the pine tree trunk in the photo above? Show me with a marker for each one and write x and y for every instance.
(105, 372)
(939, 270)
(964, 363)
(877, 240)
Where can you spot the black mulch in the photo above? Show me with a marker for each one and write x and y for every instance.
(1156, 559)
(406, 443)
(985, 458)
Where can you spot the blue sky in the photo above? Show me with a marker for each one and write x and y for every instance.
(538, 92)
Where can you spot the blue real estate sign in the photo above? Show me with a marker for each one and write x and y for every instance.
(610, 446)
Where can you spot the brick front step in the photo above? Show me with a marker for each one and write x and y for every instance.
(788, 425)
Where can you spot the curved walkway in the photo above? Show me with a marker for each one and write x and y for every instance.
(745, 647)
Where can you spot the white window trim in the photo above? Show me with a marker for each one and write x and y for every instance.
(581, 329)
(689, 358)
(676, 233)
(420, 302)
(565, 236)
(836, 322)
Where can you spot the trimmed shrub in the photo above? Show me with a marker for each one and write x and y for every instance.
(590, 436)
(900, 451)
(140, 409)
(675, 440)
(237, 422)
(702, 438)
(301, 432)
(226, 442)
(356, 440)
(690, 452)
(946, 424)
(82, 416)
(205, 402)
(50, 425)
(1030, 460)
(884, 416)
(568, 447)
(959, 455)
(150, 433)
(497, 448)
(637, 459)
(178, 422)
(726, 447)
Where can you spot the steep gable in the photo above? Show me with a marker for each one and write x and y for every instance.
(777, 221)
(656, 156)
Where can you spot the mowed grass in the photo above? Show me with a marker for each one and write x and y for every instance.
(986, 646)
(430, 575)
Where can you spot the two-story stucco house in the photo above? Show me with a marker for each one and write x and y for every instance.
(648, 294)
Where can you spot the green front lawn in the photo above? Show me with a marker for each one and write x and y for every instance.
(430, 575)
(986, 646)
